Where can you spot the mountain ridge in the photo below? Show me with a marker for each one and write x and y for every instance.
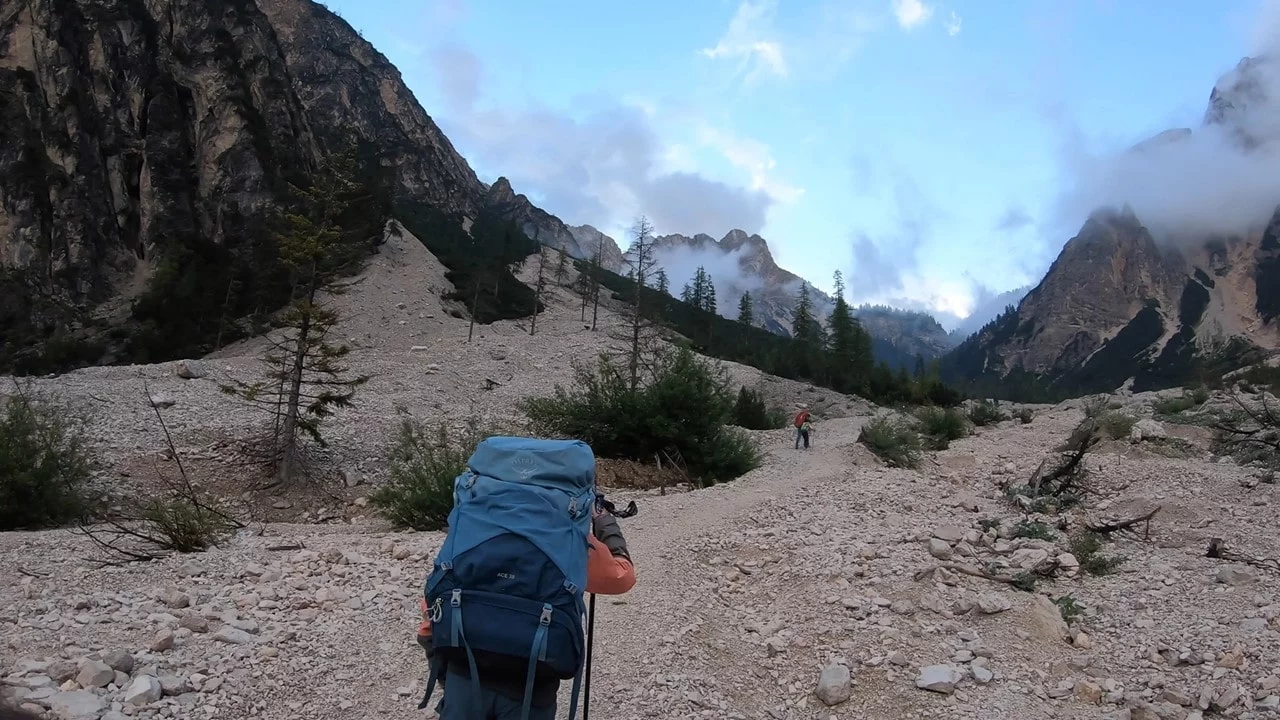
(1121, 306)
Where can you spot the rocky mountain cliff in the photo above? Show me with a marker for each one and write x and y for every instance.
(143, 140)
(1119, 303)
(738, 263)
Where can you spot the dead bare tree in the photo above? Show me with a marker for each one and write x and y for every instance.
(640, 328)
(181, 519)
(1253, 428)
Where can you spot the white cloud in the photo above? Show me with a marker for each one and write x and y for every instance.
(911, 13)
(746, 40)
(953, 24)
(753, 157)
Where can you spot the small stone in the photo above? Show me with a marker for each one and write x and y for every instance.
(119, 660)
(993, 603)
(949, 533)
(981, 674)
(774, 646)
(177, 600)
(77, 705)
(400, 553)
(939, 678)
(232, 635)
(834, 685)
(163, 641)
(173, 684)
(144, 690)
(897, 658)
(190, 369)
(95, 674)
(194, 623)
(940, 549)
(1089, 692)
(1234, 576)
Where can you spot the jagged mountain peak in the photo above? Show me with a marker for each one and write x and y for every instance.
(1119, 304)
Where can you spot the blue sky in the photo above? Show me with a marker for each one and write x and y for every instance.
(918, 146)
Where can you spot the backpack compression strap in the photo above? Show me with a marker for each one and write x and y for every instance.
(459, 639)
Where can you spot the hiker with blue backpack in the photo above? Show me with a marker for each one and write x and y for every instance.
(503, 616)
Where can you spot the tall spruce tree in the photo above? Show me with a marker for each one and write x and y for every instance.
(745, 313)
(306, 380)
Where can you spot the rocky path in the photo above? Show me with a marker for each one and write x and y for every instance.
(748, 592)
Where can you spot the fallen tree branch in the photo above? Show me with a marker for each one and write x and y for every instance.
(1108, 528)
(966, 570)
(1218, 550)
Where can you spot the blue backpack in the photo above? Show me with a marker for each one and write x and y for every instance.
(508, 582)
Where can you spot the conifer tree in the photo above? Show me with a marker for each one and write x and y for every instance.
(306, 380)
(745, 313)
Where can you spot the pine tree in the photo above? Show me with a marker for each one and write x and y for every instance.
(804, 327)
(745, 314)
(562, 267)
(539, 287)
(596, 261)
(305, 379)
(664, 285)
(709, 299)
(585, 285)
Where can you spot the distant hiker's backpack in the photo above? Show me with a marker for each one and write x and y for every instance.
(506, 589)
(802, 418)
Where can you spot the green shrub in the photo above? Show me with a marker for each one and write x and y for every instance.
(893, 441)
(942, 425)
(1116, 424)
(1026, 416)
(752, 413)
(1087, 548)
(1068, 608)
(44, 466)
(419, 490)
(1034, 530)
(681, 410)
(987, 412)
(184, 525)
(1181, 403)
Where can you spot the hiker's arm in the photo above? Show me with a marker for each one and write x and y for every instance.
(609, 568)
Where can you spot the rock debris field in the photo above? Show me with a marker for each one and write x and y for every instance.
(808, 589)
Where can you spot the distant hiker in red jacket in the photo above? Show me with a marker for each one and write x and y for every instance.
(802, 427)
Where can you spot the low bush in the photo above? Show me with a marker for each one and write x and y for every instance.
(940, 426)
(1116, 424)
(987, 412)
(1025, 415)
(893, 441)
(1087, 548)
(751, 412)
(1068, 608)
(44, 466)
(1034, 531)
(419, 490)
(1178, 404)
(679, 413)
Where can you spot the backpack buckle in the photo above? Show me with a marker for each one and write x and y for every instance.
(546, 615)
(455, 599)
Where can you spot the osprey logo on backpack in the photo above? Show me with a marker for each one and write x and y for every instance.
(524, 466)
(508, 582)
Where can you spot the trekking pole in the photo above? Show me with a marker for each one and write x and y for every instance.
(591, 635)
